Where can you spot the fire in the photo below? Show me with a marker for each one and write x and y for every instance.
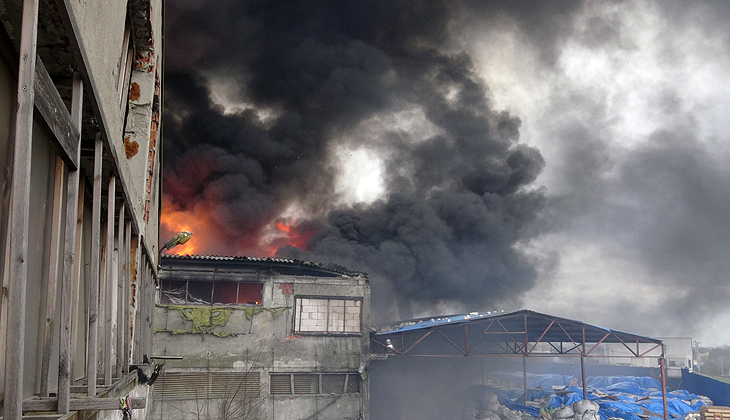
(283, 227)
(288, 232)
(209, 240)
(173, 221)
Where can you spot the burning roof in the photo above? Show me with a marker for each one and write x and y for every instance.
(282, 265)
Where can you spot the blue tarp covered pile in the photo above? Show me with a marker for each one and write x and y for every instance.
(627, 397)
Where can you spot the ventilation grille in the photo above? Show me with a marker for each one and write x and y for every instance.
(333, 384)
(218, 385)
(281, 384)
(306, 384)
(314, 383)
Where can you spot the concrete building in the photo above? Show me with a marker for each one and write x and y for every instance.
(80, 95)
(261, 338)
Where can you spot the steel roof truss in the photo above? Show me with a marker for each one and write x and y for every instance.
(508, 333)
(651, 349)
(597, 344)
(485, 332)
(417, 341)
(449, 340)
(635, 353)
(568, 335)
(541, 336)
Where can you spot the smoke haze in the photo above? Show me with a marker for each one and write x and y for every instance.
(567, 156)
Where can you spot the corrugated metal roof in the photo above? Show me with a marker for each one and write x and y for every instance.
(329, 268)
(538, 327)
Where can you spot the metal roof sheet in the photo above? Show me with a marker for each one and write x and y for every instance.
(329, 268)
(507, 326)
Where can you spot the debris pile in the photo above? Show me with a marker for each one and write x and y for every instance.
(557, 397)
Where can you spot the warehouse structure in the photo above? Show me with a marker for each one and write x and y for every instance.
(435, 359)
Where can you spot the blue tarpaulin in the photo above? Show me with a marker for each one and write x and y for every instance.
(618, 396)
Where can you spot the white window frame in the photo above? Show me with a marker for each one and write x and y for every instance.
(320, 315)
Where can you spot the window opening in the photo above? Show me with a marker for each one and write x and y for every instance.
(126, 62)
(327, 315)
(192, 292)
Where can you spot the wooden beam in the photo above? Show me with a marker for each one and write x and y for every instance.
(149, 314)
(4, 307)
(126, 309)
(93, 281)
(109, 280)
(119, 386)
(81, 403)
(22, 158)
(71, 251)
(53, 265)
(73, 33)
(48, 102)
(121, 256)
(77, 273)
(139, 304)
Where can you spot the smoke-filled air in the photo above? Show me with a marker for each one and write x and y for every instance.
(566, 157)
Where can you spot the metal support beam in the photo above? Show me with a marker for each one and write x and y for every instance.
(663, 373)
(583, 376)
(19, 217)
(524, 377)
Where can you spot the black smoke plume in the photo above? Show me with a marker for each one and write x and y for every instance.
(458, 199)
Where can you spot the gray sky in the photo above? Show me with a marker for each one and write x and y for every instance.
(565, 157)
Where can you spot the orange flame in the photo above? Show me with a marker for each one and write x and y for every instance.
(292, 235)
(209, 240)
(173, 221)
(283, 227)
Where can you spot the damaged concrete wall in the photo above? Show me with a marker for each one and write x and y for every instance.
(133, 126)
(260, 339)
(141, 140)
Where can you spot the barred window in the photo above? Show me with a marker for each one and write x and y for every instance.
(327, 315)
(314, 383)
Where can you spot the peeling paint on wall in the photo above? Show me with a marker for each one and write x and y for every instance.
(287, 288)
(130, 148)
(134, 92)
(204, 319)
(250, 312)
(276, 311)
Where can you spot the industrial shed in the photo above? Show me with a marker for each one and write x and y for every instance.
(435, 357)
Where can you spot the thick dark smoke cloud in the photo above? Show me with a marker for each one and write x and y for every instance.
(623, 99)
(458, 202)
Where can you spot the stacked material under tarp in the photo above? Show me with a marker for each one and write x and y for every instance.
(625, 397)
